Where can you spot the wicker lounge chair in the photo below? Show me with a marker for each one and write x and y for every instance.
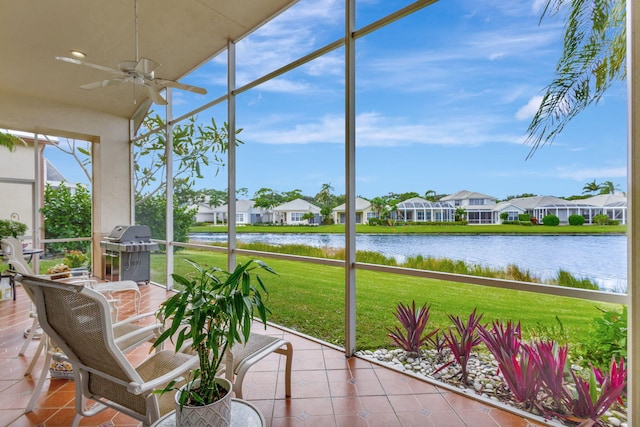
(78, 319)
(258, 346)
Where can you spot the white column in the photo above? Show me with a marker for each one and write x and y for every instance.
(231, 155)
(633, 234)
(350, 179)
(169, 189)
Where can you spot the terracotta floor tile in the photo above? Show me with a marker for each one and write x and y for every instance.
(9, 416)
(447, 419)
(477, 418)
(346, 405)
(433, 402)
(351, 421)
(504, 418)
(328, 389)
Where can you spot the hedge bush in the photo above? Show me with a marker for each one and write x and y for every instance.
(576, 219)
(551, 220)
(524, 217)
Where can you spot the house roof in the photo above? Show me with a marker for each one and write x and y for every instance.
(179, 35)
(420, 203)
(465, 194)
(53, 174)
(297, 205)
(241, 206)
(361, 205)
(607, 200)
(528, 203)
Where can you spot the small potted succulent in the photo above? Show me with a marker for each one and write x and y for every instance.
(213, 312)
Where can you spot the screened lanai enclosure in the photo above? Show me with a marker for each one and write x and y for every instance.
(133, 78)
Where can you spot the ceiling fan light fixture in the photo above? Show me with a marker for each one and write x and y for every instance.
(76, 53)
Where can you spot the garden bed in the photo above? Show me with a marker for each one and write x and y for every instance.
(484, 380)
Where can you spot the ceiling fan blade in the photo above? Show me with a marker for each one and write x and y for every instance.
(178, 85)
(86, 64)
(146, 66)
(153, 93)
(103, 83)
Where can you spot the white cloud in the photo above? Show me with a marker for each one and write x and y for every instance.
(376, 130)
(580, 174)
(529, 110)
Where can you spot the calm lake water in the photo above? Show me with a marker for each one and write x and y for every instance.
(601, 258)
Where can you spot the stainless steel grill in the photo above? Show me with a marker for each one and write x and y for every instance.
(126, 253)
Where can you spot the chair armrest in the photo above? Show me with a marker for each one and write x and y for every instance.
(146, 387)
(134, 318)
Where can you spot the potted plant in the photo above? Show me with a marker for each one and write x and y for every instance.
(212, 313)
(11, 228)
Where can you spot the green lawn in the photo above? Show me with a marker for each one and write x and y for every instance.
(421, 229)
(310, 298)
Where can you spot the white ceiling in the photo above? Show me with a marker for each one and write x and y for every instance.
(178, 34)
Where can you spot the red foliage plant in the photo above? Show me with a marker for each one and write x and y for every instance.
(462, 342)
(414, 321)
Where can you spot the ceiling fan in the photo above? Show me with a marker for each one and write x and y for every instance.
(140, 72)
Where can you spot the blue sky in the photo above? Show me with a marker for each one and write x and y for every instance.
(443, 101)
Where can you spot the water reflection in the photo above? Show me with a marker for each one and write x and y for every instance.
(601, 258)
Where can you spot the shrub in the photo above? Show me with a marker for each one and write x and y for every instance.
(516, 361)
(608, 338)
(374, 221)
(11, 228)
(504, 216)
(75, 258)
(601, 219)
(613, 222)
(67, 214)
(567, 279)
(534, 221)
(414, 321)
(576, 219)
(524, 217)
(462, 342)
(551, 220)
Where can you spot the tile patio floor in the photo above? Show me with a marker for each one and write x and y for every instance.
(327, 388)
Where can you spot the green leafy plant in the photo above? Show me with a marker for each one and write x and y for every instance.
(67, 214)
(524, 217)
(75, 258)
(576, 219)
(11, 228)
(608, 338)
(414, 321)
(601, 219)
(213, 312)
(550, 220)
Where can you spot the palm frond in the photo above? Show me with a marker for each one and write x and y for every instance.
(592, 60)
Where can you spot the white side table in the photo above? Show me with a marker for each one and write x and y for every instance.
(243, 414)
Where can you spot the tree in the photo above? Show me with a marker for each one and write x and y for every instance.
(309, 216)
(378, 204)
(292, 195)
(214, 197)
(326, 201)
(10, 141)
(608, 187)
(195, 146)
(266, 198)
(460, 214)
(431, 195)
(593, 58)
(67, 214)
(152, 211)
(591, 187)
